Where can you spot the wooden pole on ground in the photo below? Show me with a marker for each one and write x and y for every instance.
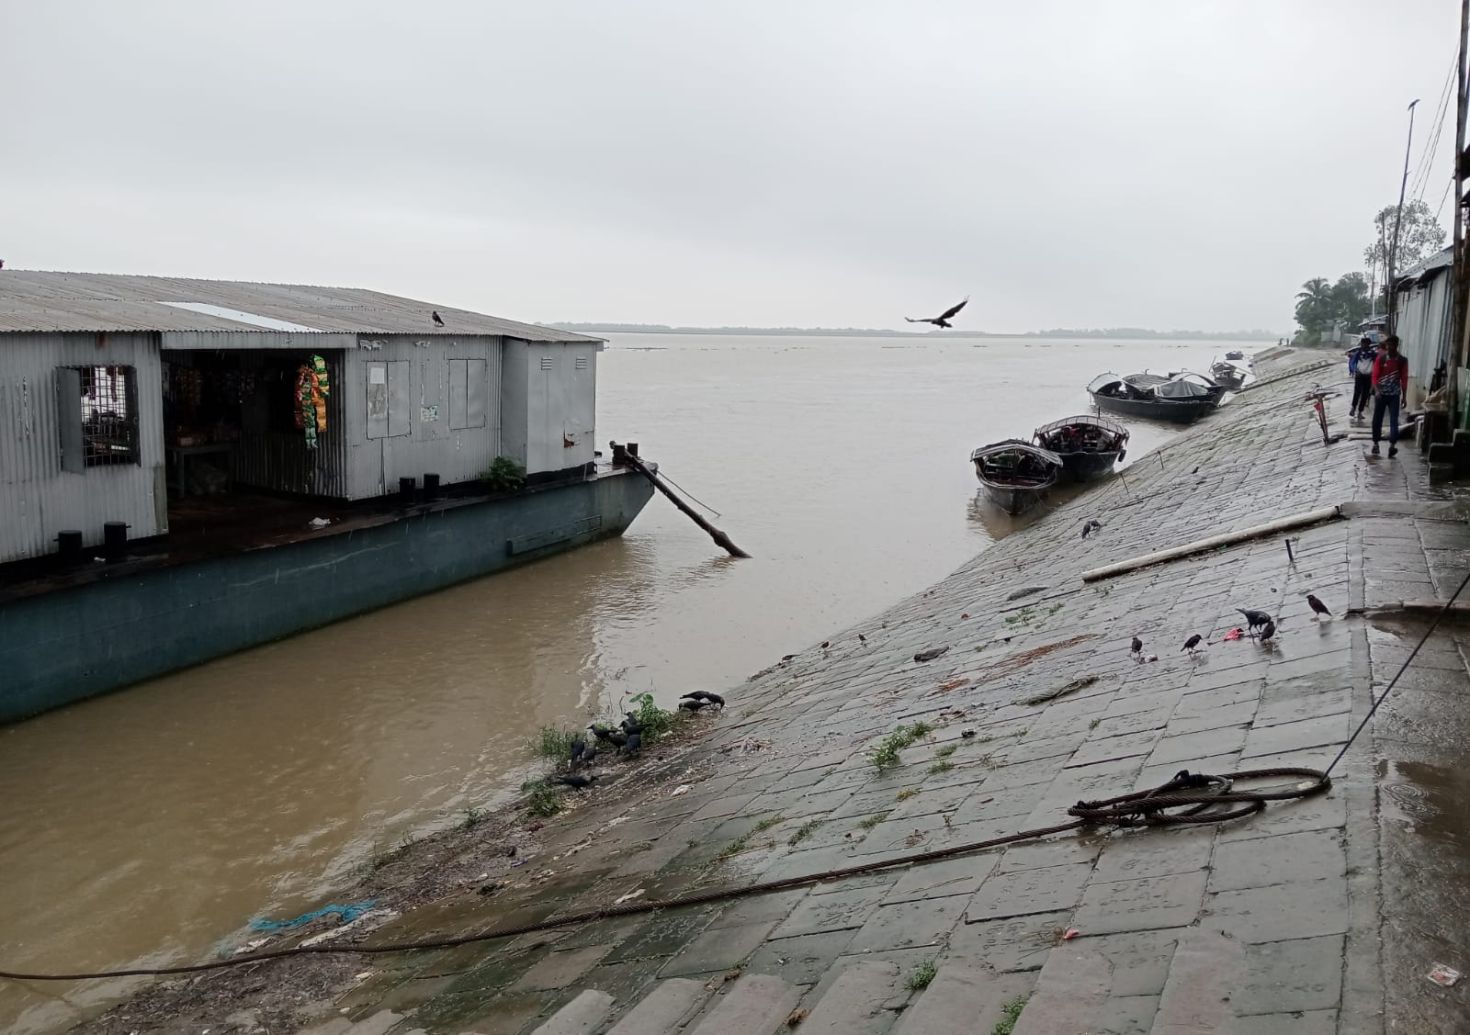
(720, 538)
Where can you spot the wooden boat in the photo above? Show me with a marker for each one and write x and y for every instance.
(1015, 474)
(1180, 398)
(1235, 354)
(1228, 375)
(1088, 445)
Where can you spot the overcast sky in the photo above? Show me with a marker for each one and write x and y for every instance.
(833, 163)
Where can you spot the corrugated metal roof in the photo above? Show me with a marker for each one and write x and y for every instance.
(33, 300)
(1426, 268)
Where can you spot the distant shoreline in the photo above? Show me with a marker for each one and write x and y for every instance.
(1111, 334)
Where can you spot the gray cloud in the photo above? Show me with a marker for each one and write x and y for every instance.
(827, 162)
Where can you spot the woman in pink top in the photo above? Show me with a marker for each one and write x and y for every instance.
(1390, 375)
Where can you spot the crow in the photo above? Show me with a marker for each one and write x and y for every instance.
(438, 320)
(617, 738)
(862, 638)
(690, 704)
(1253, 618)
(1317, 606)
(931, 653)
(1091, 527)
(1267, 631)
(631, 744)
(631, 724)
(1193, 642)
(579, 751)
(942, 320)
(1137, 645)
(578, 782)
(706, 697)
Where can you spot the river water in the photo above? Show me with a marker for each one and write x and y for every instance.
(148, 827)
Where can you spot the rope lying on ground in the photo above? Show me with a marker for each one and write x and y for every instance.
(1203, 799)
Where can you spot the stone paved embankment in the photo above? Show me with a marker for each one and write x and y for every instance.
(1316, 916)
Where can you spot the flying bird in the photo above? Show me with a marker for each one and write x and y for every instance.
(1317, 606)
(438, 320)
(1267, 631)
(1193, 642)
(942, 320)
(1137, 645)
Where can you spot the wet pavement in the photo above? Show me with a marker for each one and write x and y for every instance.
(1319, 915)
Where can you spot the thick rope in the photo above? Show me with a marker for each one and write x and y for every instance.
(1201, 797)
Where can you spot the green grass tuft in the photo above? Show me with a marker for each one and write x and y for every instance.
(941, 767)
(946, 751)
(542, 798)
(906, 794)
(920, 976)
(473, 817)
(804, 831)
(554, 743)
(873, 821)
(769, 822)
(886, 754)
(1010, 1014)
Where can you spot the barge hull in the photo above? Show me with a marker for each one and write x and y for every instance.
(70, 644)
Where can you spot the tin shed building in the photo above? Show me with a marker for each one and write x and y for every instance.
(131, 399)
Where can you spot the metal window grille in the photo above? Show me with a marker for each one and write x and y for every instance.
(581, 362)
(109, 416)
(546, 362)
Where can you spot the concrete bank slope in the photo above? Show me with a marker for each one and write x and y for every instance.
(1316, 916)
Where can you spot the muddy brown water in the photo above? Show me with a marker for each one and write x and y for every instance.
(150, 826)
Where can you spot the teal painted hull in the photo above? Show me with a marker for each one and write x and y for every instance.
(61, 647)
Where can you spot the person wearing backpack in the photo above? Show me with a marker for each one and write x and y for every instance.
(1360, 366)
(1390, 376)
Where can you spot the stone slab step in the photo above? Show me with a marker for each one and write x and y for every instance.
(663, 1010)
(963, 997)
(757, 1004)
(377, 1024)
(579, 1017)
(854, 1004)
(1196, 997)
(1071, 992)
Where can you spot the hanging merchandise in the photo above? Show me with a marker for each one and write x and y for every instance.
(312, 387)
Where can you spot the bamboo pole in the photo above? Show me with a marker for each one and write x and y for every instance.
(720, 538)
(1461, 271)
(1174, 553)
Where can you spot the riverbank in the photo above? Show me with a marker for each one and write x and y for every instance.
(1283, 912)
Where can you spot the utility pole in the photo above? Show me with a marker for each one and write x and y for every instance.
(1460, 280)
(1398, 219)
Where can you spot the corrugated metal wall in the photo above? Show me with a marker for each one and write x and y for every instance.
(272, 459)
(555, 424)
(426, 437)
(37, 498)
(1423, 327)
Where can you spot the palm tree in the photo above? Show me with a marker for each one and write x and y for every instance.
(1315, 306)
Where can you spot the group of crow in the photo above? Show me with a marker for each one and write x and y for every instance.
(626, 739)
(1258, 624)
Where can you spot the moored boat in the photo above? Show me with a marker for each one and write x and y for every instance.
(1015, 474)
(1180, 398)
(1088, 445)
(1228, 375)
(1235, 354)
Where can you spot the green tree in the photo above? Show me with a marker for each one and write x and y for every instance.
(1350, 300)
(1314, 307)
(1420, 236)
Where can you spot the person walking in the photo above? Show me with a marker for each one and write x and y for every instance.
(1390, 376)
(1360, 366)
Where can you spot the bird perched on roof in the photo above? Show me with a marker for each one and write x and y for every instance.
(1091, 527)
(438, 320)
(942, 320)
(1254, 619)
(1267, 631)
(579, 782)
(1192, 643)
(1317, 606)
(706, 697)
